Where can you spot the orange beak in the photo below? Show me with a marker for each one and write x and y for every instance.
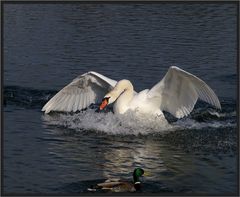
(103, 104)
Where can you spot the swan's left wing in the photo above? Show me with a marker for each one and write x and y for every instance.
(179, 91)
(80, 93)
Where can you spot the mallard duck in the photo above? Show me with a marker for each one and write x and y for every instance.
(117, 185)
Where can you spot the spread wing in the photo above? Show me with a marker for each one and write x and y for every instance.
(80, 93)
(178, 92)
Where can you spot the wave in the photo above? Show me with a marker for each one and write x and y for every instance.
(203, 115)
(26, 97)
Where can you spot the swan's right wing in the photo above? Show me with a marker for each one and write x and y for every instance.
(80, 93)
(178, 92)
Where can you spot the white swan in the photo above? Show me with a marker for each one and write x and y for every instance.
(176, 93)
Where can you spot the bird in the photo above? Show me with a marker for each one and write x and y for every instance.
(118, 185)
(177, 93)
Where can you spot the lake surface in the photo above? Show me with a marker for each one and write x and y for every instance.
(46, 45)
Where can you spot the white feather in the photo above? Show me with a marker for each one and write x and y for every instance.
(64, 104)
(80, 104)
(75, 106)
(179, 90)
(84, 101)
(69, 99)
(71, 102)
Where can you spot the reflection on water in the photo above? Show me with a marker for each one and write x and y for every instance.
(69, 160)
(109, 156)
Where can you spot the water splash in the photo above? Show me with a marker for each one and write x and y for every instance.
(224, 114)
(193, 124)
(203, 116)
(127, 124)
(109, 123)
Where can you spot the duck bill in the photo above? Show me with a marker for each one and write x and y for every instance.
(103, 104)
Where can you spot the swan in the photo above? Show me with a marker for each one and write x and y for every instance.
(177, 93)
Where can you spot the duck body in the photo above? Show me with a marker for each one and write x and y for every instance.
(118, 185)
(177, 93)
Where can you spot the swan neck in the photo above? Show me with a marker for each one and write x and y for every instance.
(124, 86)
(124, 91)
(128, 91)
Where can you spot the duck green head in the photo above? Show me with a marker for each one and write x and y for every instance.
(138, 172)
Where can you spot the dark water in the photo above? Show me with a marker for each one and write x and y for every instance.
(47, 45)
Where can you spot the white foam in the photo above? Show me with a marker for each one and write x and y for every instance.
(109, 123)
(193, 124)
(218, 114)
(125, 124)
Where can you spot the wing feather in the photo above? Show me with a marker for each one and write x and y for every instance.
(84, 101)
(179, 91)
(75, 106)
(80, 93)
(64, 103)
(71, 102)
(80, 103)
(57, 102)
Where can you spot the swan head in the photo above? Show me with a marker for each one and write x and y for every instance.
(108, 99)
(112, 96)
